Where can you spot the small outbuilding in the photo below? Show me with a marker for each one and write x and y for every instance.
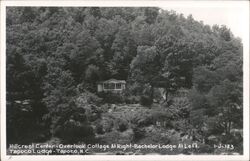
(111, 85)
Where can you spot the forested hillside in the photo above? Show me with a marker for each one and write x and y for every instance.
(56, 57)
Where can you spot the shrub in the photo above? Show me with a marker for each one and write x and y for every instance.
(146, 100)
(181, 125)
(109, 97)
(89, 104)
(213, 127)
(122, 125)
(104, 107)
(73, 132)
(99, 129)
(107, 124)
(132, 99)
(139, 133)
(163, 117)
(87, 98)
(142, 118)
(230, 139)
(134, 89)
(74, 126)
(22, 124)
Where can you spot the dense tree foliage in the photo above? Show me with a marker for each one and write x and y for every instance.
(54, 55)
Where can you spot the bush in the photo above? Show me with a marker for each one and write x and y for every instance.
(73, 132)
(143, 120)
(142, 117)
(181, 125)
(213, 127)
(73, 126)
(139, 133)
(107, 124)
(89, 104)
(23, 126)
(125, 137)
(132, 99)
(134, 89)
(122, 125)
(146, 101)
(109, 97)
(230, 139)
(87, 98)
(99, 129)
(104, 107)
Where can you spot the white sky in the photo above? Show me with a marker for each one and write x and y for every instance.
(230, 13)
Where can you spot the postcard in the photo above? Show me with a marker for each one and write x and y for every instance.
(125, 80)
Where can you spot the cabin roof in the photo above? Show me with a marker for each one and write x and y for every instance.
(113, 81)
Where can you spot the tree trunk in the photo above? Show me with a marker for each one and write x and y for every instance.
(152, 92)
(229, 127)
(225, 126)
(166, 95)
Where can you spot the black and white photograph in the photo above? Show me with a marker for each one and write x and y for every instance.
(94, 80)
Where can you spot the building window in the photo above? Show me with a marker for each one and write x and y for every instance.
(105, 85)
(109, 86)
(118, 86)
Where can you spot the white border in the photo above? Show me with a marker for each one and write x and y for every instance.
(118, 3)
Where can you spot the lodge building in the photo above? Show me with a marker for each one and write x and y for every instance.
(111, 85)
